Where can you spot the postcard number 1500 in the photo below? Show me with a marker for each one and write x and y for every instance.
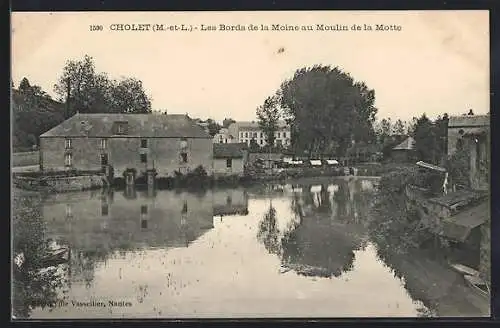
(94, 28)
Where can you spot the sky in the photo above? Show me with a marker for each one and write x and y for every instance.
(437, 63)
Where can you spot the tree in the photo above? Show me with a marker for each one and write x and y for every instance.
(227, 122)
(410, 128)
(384, 130)
(77, 86)
(425, 139)
(254, 147)
(213, 127)
(128, 96)
(399, 127)
(268, 115)
(87, 91)
(33, 113)
(326, 110)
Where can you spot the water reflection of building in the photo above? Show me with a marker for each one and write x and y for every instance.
(96, 225)
(230, 202)
(129, 219)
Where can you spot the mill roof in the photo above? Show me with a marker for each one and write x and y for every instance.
(255, 125)
(138, 125)
(469, 121)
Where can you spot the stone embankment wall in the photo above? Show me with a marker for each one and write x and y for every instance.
(60, 184)
(485, 252)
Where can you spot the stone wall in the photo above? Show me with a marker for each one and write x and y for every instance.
(25, 159)
(76, 183)
(163, 154)
(485, 252)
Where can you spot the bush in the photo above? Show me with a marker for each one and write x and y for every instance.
(392, 224)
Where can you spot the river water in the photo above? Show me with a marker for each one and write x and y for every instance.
(302, 249)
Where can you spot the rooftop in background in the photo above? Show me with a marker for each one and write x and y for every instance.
(407, 144)
(255, 125)
(469, 121)
(138, 125)
(229, 150)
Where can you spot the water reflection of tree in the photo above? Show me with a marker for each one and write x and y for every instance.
(32, 287)
(313, 244)
(268, 233)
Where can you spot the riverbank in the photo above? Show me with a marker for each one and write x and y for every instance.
(73, 180)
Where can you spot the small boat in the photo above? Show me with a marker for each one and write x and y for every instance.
(478, 285)
(465, 270)
(55, 257)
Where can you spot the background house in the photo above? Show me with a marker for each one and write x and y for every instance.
(223, 136)
(472, 134)
(404, 152)
(166, 143)
(246, 131)
(458, 126)
(229, 158)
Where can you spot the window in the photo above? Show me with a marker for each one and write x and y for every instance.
(184, 207)
(262, 135)
(104, 209)
(68, 159)
(184, 157)
(144, 158)
(284, 134)
(246, 134)
(104, 143)
(144, 143)
(229, 163)
(67, 144)
(144, 209)
(104, 159)
(144, 224)
(261, 141)
(255, 135)
(279, 135)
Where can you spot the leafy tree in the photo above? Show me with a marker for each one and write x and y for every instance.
(399, 127)
(268, 115)
(33, 113)
(88, 91)
(410, 128)
(326, 110)
(128, 96)
(227, 122)
(384, 130)
(213, 127)
(431, 139)
(424, 139)
(254, 147)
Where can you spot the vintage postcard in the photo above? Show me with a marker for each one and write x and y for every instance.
(250, 164)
